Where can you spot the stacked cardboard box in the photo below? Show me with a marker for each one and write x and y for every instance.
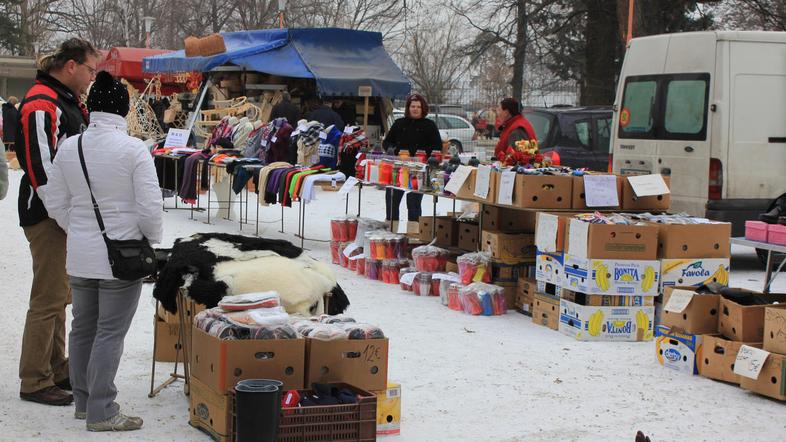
(217, 365)
(609, 260)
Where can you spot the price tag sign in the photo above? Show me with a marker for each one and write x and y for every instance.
(506, 182)
(349, 129)
(274, 139)
(648, 185)
(601, 191)
(322, 135)
(177, 138)
(408, 278)
(482, 181)
(457, 179)
(749, 361)
(678, 301)
(348, 185)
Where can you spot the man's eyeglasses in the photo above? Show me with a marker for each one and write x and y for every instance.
(90, 68)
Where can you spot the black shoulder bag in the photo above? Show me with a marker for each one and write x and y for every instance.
(130, 259)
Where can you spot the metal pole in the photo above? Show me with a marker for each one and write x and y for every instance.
(769, 273)
(630, 21)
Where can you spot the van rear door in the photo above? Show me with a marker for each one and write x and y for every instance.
(757, 140)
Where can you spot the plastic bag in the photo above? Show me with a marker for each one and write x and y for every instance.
(474, 267)
(483, 299)
(430, 258)
(253, 300)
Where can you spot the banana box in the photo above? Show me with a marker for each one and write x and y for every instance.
(611, 277)
(693, 272)
(389, 410)
(593, 323)
(549, 288)
(677, 350)
(549, 267)
(607, 300)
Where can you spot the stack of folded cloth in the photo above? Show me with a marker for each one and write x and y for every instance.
(247, 316)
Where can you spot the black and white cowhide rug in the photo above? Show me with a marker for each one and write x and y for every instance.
(209, 266)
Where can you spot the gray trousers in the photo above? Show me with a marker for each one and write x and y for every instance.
(103, 310)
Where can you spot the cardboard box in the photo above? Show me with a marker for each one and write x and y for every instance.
(655, 203)
(425, 228)
(676, 350)
(545, 311)
(592, 323)
(468, 235)
(508, 220)
(361, 363)
(690, 241)
(169, 318)
(717, 356)
(167, 341)
(772, 378)
(699, 317)
(745, 322)
(579, 200)
(525, 293)
(389, 410)
(607, 300)
(221, 363)
(611, 277)
(549, 267)
(775, 330)
(693, 272)
(611, 241)
(447, 232)
(505, 273)
(451, 266)
(511, 292)
(210, 410)
(509, 247)
(467, 190)
(551, 230)
(542, 191)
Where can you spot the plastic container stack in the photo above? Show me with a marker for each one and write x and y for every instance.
(483, 299)
(342, 233)
(474, 267)
(430, 258)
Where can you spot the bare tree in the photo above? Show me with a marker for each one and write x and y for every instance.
(434, 61)
(764, 15)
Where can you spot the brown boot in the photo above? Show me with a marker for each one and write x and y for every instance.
(49, 396)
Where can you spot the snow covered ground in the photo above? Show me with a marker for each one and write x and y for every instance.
(464, 378)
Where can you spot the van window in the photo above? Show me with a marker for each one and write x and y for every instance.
(670, 107)
(638, 105)
(603, 127)
(685, 106)
(541, 123)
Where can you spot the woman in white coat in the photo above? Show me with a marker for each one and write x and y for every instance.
(124, 183)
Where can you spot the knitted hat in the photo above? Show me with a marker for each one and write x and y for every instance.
(108, 95)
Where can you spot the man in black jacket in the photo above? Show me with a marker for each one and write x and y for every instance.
(10, 120)
(325, 115)
(286, 109)
(50, 112)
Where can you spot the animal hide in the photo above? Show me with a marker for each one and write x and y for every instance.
(209, 266)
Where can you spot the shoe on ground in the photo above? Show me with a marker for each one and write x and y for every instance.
(65, 384)
(81, 415)
(53, 395)
(118, 422)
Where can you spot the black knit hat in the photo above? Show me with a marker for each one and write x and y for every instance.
(108, 95)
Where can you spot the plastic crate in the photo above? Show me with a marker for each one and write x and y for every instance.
(351, 422)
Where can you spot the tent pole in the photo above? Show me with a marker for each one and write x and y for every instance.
(365, 115)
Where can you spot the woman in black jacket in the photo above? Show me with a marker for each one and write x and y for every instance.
(10, 123)
(413, 132)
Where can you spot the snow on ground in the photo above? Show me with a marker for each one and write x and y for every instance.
(464, 378)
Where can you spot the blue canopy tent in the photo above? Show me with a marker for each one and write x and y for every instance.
(339, 60)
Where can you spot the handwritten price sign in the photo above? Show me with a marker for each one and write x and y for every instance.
(749, 361)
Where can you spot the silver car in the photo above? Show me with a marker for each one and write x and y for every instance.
(456, 130)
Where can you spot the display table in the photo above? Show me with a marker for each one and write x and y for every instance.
(770, 248)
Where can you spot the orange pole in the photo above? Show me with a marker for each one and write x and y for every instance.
(630, 21)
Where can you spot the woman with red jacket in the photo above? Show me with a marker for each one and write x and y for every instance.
(513, 127)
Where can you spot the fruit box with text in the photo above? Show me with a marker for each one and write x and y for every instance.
(611, 277)
(693, 272)
(549, 267)
(592, 323)
(677, 350)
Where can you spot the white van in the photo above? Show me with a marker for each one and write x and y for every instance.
(709, 110)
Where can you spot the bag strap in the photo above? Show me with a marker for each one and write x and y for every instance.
(92, 197)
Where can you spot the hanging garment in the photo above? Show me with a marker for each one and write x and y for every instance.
(188, 187)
